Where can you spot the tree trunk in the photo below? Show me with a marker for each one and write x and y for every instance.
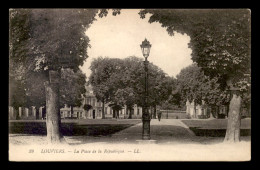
(217, 111)
(103, 109)
(71, 111)
(227, 109)
(15, 113)
(195, 115)
(53, 121)
(37, 112)
(249, 110)
(130, 113)
(117, 114)
(16, 110)
(211, 115)
(234, 120)
(44, 112)
(154, 111)
(212, 112)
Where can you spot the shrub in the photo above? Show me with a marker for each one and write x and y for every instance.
(221, 116)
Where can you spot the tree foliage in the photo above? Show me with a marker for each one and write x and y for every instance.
(50, 37)
(220, 40)
(35, 95)
(17, 93)
(72, 87)
(47, 39)
(121, 81)
(193, 84)
(102, 78)
(44, 39)
(87, 107)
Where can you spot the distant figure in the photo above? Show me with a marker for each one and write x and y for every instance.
(159, 115)
(94, 115)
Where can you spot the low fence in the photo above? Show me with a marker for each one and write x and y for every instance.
(173, 114)
(26, 114)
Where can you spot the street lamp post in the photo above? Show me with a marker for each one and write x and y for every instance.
(145, 46)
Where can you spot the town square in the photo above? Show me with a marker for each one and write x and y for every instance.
(129, 84)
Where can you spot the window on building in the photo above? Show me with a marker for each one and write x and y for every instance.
(137, 111)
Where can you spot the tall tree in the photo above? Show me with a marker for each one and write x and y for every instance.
(121, 81)
(101, 79)
(35, 90)
(194, 85)
(161, 88)
(129, 83)
(17, 94)
(44, 41)
(220, 43)
(72, 88)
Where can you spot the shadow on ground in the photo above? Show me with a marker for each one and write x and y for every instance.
(164, 132)
(217, 132)
(67, 129)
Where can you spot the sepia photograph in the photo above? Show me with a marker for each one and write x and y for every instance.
(95, 84)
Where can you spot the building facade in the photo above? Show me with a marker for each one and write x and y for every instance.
(78, 112)
(96, 110)
(203, 111)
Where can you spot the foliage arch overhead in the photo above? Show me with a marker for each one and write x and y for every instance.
(220, 39)
(44, 39)
(50, 36)
(49, 39)
(221, 46)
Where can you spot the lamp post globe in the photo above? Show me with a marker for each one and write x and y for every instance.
(145, 47)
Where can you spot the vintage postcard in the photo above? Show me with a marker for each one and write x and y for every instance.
(129, 85)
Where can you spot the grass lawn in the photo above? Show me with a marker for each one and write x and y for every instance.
(215, 127)
(96, 127)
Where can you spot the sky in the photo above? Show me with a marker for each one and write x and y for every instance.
(120, 37)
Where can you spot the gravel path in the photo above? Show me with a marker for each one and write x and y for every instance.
(174, 142)
(164, 131)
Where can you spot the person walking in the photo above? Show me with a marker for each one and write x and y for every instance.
(159, 114)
